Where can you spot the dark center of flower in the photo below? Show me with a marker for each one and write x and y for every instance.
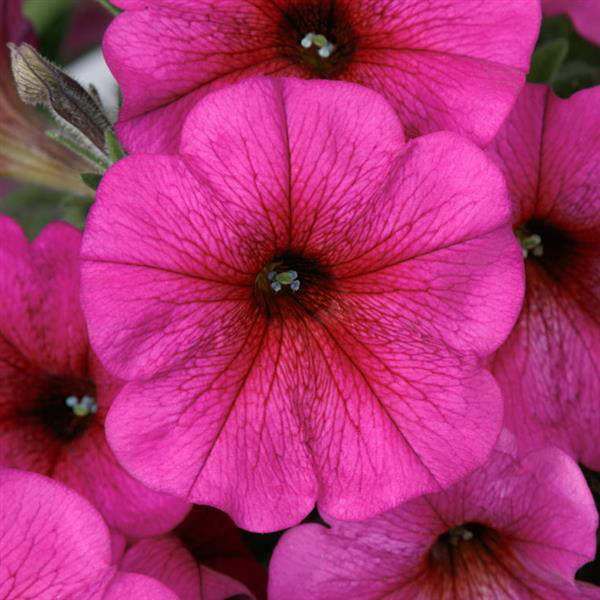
(546, 244)
(65, 407)
(293, 285)
(466, 544)
(318, 36)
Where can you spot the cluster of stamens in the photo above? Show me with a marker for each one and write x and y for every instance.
(81, 407)
(459, 534)
(278, 280)
(319, 41)
(530, 243)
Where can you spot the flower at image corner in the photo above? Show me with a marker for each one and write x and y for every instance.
(515, 528)
(299, 302)
(55, 545)
(549, 368)
(442, 65)
(54, 393)
(585, 15)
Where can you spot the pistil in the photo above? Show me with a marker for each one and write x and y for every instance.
(319, 41)
(81, 407)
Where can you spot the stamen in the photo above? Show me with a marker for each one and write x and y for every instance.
(458, 534)
(285, 278)
(320, 41)
(307, 40)
(530, 243)
(81, 408)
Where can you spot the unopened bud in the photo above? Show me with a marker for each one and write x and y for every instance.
(40, 82)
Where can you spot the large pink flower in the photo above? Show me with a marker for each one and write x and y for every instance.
(585, 15)
(512, 529)
(55, 545)
(54, 394)
(443, 65)
(549, 368)
(299, 300)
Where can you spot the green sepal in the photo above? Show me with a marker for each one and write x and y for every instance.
(91, 156)
(92, 180)
(113, 146)
(547, 60)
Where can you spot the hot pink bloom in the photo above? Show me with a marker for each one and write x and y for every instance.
(548, 369)
(585, 15)
(54, 394)
(443, 65)
(196, 559)
(300, 300)
(512, 529)
(55, 545)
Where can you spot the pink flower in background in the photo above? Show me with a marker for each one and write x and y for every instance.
(55, 545)
(299, 302)
(548, 369)
(585, 15)
(443, 65)
(54, 394)
(198, 557)
(512, 529)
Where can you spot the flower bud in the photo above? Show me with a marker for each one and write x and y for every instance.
(39, 82)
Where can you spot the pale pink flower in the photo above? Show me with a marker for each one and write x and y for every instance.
(442, 65)
(300, 301)
(513, 529)
(585, 15)
(549, 367)
(54, 544)
(54, 393)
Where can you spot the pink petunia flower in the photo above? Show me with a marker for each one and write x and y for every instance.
(443, 65)
(514, 529)
(54, 393)
(299, 301)
(181, 559)
(585, 15)
(54, 544)
(548, 369)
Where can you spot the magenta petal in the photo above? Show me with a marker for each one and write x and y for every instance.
(411, 276)
(585, 15)
(455, 66)
(536, 519)
(166, 560)
(132, 585)
(91, 469)
(548, 368)
(54, 544)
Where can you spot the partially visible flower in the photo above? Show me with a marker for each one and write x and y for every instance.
(26, 152)
(299, 302)
(585, 15)
(549, 368)
(54, 544)
(513, 529)
(195, 564)
(54, 393)
(442, 65)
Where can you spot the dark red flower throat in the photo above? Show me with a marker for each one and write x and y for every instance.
(317, 35)
(293, 285)
(63, 406)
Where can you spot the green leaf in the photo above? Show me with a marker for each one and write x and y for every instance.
(547, 60)
(113, 10)
(92, 180)
(113, 146)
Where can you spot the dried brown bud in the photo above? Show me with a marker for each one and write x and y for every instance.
(40, 82)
